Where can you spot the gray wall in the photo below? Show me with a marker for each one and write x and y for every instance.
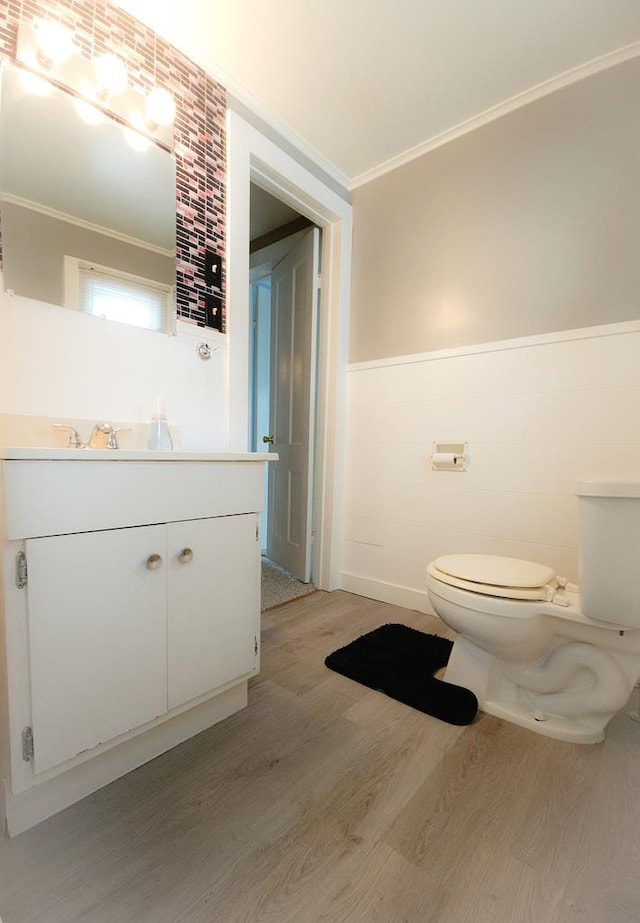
(35, 244)
(528, 225)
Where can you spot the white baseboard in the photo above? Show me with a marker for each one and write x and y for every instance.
(36, 804)
(391, 593)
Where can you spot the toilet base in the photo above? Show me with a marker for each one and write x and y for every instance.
(567, 729)
(475, 669)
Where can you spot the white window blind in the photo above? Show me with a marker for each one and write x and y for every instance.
(116, 295)
(121, 298)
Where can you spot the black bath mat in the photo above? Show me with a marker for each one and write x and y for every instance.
(400, 662)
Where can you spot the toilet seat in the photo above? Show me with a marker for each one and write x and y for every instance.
(493, 575)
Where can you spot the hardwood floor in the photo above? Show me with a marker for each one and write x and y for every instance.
(326, 802)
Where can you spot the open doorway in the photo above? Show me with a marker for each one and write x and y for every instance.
(252, 156)
(285, 299)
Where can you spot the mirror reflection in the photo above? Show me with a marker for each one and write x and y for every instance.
(78, 203)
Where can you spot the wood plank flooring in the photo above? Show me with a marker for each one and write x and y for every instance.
(325, 802)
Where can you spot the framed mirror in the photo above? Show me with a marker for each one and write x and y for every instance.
(76, 196)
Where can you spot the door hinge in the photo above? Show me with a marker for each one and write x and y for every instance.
(255, 645)
(257, 533)
(21, 570)
(27, 744)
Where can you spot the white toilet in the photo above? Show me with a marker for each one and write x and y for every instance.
(550, 656)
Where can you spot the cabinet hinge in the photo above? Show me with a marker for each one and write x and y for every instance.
(255, 646)
(21, 570)
(257, 533)
(27, 744)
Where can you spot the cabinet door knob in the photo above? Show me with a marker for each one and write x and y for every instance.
(185, 556)
(154, 561)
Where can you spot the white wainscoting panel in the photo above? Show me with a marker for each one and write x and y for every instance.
(535, 414)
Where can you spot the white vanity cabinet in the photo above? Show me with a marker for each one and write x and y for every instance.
(138, 622)
(213, 592)
(97, 634)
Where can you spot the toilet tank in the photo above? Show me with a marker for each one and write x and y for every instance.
(609, 515)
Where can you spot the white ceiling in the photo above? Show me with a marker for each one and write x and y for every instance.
(363, 82)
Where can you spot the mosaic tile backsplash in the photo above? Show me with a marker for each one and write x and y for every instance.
(199, 130)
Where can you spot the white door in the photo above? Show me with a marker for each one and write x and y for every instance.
(294, 300)
(97, 638)
(213, 603)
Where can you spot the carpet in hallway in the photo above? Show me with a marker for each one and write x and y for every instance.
(279, 587)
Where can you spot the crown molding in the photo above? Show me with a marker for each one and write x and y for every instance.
(546, 88)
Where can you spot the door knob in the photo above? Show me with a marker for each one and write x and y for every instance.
(185, 556)
(154, 561)
(268, 439)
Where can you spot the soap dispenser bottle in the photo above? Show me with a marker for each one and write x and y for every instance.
(159, 437)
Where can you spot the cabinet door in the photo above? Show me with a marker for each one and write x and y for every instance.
(214, 603)
(97, 638)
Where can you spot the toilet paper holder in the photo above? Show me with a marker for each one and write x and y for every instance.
(449, 456)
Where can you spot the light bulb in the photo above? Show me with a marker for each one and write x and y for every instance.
(111, 75)
(35, 85)
(135, 140)
(161, 109)
(55, 41)
(87, 112)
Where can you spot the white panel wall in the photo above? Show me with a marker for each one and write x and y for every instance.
(536, 413)
(66, 365)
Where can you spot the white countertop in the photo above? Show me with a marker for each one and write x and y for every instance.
(18, 453)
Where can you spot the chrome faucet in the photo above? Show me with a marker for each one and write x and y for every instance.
(103, 436)
(75, 442)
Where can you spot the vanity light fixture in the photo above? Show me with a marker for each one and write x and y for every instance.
(34, 84)
(54, 43)
(161, 108)
(46, 49)
(111, 76)
(136, 140)
(88, 112)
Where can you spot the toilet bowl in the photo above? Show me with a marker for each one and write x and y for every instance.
(537, 650)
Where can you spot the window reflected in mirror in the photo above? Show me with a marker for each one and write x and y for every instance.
(72, 186)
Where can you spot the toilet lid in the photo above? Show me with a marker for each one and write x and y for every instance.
(510, 578)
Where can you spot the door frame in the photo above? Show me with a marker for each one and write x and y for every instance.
(252, 157)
